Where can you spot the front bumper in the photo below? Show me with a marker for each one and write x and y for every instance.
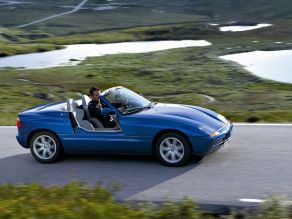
(224, 137)
(205, 145)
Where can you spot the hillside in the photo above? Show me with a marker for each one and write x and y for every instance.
(188, 73)
(260, 10)
(97, 15)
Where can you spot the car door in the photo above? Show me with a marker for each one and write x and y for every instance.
(108, 141)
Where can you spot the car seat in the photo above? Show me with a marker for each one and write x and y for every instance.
(79, 115)
(95, 121)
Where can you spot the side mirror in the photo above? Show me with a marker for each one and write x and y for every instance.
(141, 94)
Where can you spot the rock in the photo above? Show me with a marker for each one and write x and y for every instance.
(44, 96)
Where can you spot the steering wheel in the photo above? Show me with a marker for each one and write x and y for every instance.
(115, 118)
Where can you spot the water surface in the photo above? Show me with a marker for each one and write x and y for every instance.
(243, 28)
(274, 65)
(74, 54)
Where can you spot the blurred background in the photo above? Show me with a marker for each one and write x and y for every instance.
(54, 50)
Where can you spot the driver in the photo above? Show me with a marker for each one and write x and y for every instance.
(96, 110)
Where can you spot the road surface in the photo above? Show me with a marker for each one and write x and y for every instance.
(256, 164)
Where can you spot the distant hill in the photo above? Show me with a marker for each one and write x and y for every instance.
(260, 10)
(98, 15)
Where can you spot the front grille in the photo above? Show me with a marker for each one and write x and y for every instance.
(218, 142)
(222, 140)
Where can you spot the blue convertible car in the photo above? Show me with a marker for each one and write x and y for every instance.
(172, 132)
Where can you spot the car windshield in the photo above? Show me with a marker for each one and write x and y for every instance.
(126, 101)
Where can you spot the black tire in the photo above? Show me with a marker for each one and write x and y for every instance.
(45, 147)
(173, 149)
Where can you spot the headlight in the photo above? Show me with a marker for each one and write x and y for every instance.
(214, 134)
(210, 131)
(222, 118)
(206, 129)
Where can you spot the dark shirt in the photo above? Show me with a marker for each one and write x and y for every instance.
(95, 108)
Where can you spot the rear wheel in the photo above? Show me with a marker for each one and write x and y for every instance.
(45, 147)
(173, 149)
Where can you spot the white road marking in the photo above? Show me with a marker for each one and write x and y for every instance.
(283, 202)
(251, 200)
(262, 124)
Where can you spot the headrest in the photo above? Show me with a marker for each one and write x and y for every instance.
(69, 105)
(79, 112)
(85, 101)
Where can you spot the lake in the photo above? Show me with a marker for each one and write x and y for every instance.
(243, 28)
(74, 54)
(273, 65)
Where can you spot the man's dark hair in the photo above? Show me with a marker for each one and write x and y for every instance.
(91, 90)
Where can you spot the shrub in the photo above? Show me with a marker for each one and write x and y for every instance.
(77, 200)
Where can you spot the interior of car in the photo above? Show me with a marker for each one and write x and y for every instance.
(83, 118)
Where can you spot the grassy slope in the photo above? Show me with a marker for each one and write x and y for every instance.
(34, 10)
(87, 19)
(149, 12)
(185, 72)
(258, 10)
(14, 41)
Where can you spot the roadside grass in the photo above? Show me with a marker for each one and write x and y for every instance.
(78, 200)
(8, 118)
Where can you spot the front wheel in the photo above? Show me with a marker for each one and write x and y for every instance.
(45, 147)
(173, 149)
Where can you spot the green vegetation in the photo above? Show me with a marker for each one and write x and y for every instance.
(237, 41)
(259, 10)
(87, 19)
(178, 75)
(131, 13)
(15, 41)
(12, 49)
(77, 200)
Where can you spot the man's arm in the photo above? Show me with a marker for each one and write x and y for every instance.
(97, 112)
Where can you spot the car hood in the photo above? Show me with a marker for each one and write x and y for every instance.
(196, 114)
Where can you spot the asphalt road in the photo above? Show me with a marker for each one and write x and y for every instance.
(257, 164)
